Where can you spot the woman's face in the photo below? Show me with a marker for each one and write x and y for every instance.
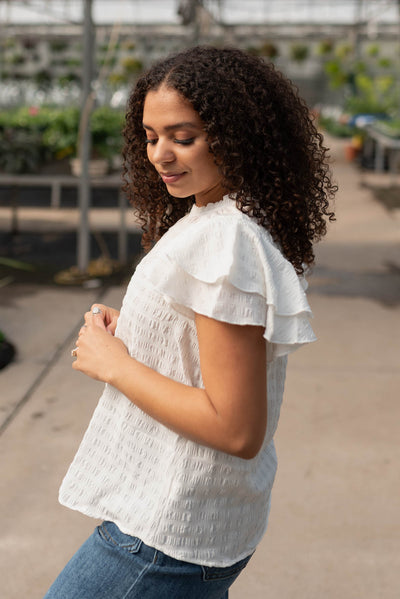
(177, 147)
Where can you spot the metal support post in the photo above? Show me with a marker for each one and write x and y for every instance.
(85, 139)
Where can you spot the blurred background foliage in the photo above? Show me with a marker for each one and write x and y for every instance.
(33, 136)
(340, 76)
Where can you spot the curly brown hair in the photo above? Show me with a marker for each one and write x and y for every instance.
(261, 135)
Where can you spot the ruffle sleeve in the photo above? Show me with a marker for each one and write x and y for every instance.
(228, 268)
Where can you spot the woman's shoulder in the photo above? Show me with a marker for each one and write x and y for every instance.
(221, 221)
(219, 238)
(221, 263)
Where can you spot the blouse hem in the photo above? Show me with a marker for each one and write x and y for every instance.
(147, 540)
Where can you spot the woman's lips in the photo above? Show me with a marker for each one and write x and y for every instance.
(171, 177)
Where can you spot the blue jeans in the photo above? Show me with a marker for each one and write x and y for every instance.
(113, 565)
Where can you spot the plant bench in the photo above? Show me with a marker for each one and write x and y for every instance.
(56, 183)
(384, 143)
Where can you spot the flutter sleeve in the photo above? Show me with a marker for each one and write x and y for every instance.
(228, 268)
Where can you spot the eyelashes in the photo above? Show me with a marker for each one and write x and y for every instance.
(183, 142)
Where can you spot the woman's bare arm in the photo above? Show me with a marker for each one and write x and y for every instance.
(229, 414)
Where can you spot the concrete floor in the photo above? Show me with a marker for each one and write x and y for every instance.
(335, 522)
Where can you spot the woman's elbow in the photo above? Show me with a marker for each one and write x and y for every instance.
(247, 448)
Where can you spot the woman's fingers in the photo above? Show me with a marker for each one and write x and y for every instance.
(98, 317)
(95, 316)
(105, 313)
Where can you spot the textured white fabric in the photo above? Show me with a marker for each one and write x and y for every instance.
(192, 502)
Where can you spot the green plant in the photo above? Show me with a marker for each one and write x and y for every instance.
(360, 67)
(16, 59)
(58, 45)
(65, 80)
(106, 128)
(344, 51)
(73, 62)
(373, 50)
(9, 42)
(131, 66)
(299, 52)
(269, 49)
(128, 45)
(20, 150)
(367, 86)
(20, 77)
(30, 136)
(338, 77)
(384, 63)
(336, 128)
(374, 95)
(60, 136)
(106, 47)
(117, 79)
(60, 133)
(109, 61)
(325, 48)
(42, 79)
(390, 128)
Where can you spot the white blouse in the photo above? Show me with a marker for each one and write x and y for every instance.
(187, 500)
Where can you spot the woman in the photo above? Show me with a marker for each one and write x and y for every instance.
(229, 178)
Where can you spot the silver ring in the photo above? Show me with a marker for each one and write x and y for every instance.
(74, 352)
(96, 310)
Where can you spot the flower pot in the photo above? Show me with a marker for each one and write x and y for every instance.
(351, 152)
(97, 167)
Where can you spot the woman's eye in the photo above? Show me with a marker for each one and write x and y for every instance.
(185, 142)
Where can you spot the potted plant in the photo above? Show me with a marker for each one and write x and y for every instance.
(31, 137)
(106, 130)
(21, 147)
(299, 52)
(20, 150)
(269, 49)
(325, 47)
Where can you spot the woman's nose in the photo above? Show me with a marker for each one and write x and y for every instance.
(163, 152)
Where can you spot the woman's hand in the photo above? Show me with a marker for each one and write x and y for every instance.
(98, 352)
(109, 317)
